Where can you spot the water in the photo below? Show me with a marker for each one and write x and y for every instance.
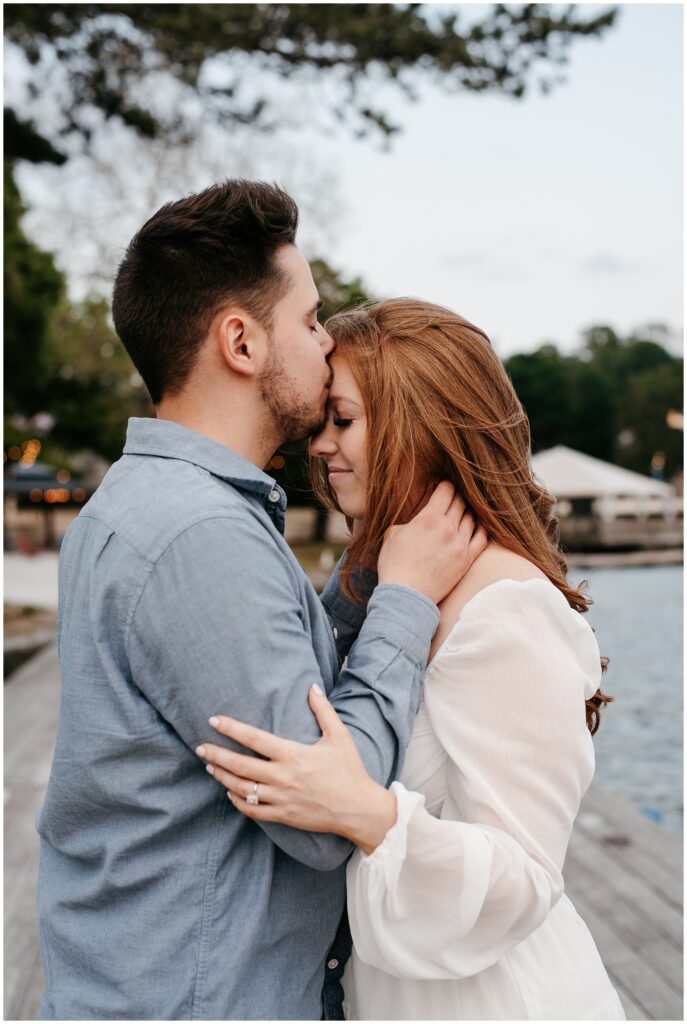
(637, 615)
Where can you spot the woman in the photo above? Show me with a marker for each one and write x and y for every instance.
(455, 894)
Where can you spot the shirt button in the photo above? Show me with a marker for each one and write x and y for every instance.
(274, 495)
(335, 633)
(332, 964)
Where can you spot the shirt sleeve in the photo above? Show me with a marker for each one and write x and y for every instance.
(346, 615)
(219, 629)
(446, 898)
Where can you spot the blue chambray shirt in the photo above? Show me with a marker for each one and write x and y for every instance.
(179, 598)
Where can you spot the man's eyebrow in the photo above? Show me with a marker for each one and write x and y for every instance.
(314, 308)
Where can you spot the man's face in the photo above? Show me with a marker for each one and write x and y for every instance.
(295, 382)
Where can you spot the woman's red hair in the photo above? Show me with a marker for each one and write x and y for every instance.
(440, 406)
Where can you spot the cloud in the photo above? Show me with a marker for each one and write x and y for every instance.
(606, 263)
(472, 258)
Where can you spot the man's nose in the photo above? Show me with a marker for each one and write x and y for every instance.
(327, 343)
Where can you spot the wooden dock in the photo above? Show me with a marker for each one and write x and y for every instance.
(623, 873)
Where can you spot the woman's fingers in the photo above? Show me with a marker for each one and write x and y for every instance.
(244, 787)
(441, 498)
(327, 718)
(258, 812)
(466, 527)
(249, 736)
(456, 509)
(478, 542)
(243, 765)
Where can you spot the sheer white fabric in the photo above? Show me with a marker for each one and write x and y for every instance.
(460, 912)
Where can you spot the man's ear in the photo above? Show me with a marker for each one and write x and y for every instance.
(238, 343)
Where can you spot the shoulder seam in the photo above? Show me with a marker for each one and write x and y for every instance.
(151, 565)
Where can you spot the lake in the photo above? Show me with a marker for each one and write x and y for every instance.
(638, 619)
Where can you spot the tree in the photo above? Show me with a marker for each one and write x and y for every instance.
(99, 60)
(93, 386)
(33, 285)
(62, 361)
(32, 289)
(644, 404)
(609, 400)
(541, 381)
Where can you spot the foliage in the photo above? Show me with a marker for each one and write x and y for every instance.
(110, 53)
(609, 400)
(33, 288)
(94, 389)
(64, 365)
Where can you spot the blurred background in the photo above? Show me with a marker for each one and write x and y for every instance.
(520, 164)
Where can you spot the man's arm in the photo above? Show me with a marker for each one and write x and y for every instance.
(218, 629)
(345, 615)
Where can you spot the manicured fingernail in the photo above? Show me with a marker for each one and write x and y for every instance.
(315, 688)
(200, 751)
(210, 768)
(214, 721)
(230, 795)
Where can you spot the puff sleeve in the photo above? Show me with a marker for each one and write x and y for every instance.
(446, 897)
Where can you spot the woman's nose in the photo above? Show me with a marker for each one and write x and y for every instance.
(322, 444)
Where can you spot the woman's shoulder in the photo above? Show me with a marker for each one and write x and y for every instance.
(495, 565)
(510, 605)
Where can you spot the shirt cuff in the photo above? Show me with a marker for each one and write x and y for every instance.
(403, 616)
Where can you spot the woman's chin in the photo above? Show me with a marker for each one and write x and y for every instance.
(351, 510)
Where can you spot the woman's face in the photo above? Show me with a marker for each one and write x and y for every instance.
(343, 441)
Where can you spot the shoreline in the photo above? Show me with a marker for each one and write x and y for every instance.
(617, 559)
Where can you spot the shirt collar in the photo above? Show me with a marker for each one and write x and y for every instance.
(169, 440)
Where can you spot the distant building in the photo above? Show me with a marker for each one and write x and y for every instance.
(602, 506)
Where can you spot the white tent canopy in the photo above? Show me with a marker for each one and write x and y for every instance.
(566, 473)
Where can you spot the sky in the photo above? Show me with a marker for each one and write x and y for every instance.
(538, 218)
(534, 219)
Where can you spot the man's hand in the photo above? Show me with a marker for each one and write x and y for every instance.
(433, 551)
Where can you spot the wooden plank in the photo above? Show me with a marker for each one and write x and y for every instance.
(620, 819)
(21, 946)
(633, 1011)
(631, 928)
(620, 890)
(665, 881)
(28, 1009)
(20, 812)
(649, 990)
(31, 713)
(587, 856)
(31, 703)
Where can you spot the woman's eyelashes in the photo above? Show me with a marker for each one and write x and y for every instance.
(338, 422)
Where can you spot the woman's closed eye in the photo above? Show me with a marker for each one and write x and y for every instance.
(338, 422)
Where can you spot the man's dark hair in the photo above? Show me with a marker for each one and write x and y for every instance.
(191, 258)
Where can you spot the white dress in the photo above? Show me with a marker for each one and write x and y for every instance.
(460, 913)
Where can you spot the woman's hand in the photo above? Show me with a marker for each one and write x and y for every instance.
(320, 787)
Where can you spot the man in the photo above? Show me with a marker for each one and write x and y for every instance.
(179, 598)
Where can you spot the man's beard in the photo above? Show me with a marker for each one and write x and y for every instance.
(290, 417)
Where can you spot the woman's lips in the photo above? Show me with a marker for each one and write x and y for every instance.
(337, 474)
